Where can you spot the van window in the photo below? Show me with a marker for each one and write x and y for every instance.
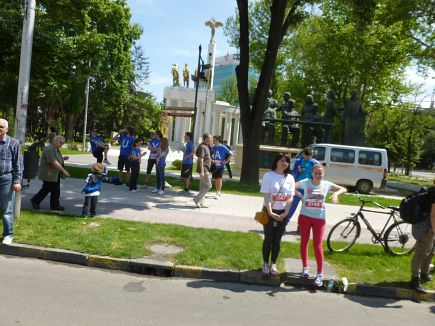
(319, 153)
(370, 158)
(342, 155)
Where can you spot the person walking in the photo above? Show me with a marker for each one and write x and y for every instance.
(51, 169)
(221, 156)
(134, 161)
(92, 189)
(278, 188)
(228, 159)
(160, 166)
(313, 217)
(424, 233)
(98, 147)
(187, 164)
(11, 173)
(203, 168)
(126, 141)
(154, 148)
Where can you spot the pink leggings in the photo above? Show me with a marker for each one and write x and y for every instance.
(318, 225)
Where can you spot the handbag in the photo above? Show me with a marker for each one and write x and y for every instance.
(262, 216)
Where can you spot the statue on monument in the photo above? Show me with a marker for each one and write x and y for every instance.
(175, 75)
(213, 24)
(308, 112)
(186, 76)
(354, 120)
(269, 126)
(288, 109)
(331, 112)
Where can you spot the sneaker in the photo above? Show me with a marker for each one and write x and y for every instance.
(318, 281)
(305, 272)
(145, 186)
(217, 196)
(273, 270)
(197, 204)
(202, 205)
(106, 161)
(7, 240)
(266, 270)
(161, 192)
(35, 205)
(426, 277)
(134, 190)
(415, 284)
(155, 190)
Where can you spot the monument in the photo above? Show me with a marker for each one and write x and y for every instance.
(308, 112)
(354, 120)
(175, 75)
(186, 76)
(331, 112)
(289, 113)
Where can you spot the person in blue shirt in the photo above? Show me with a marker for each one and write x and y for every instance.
(302, 169)
(126, 144)
(154, 148)
(98, 147)
(134, 161)
(221, 156)
(187, 164)
(160, 166)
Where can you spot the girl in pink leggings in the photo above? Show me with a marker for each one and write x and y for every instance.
(313, 217)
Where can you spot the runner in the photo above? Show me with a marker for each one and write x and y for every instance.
(126, 142)
(221, 156)
(187, 164)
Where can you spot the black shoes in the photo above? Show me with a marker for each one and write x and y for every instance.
(417, 286)
(58, 208)
(425, 277)
(35, 205)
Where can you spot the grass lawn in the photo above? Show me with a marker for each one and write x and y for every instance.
(422, 181)
(201, 247)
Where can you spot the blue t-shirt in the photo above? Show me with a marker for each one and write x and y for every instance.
(154, 153)
(219, 153)
(314, 198)
(308, 168)
(94, 140)
(187, 151)
(161, 161)
(135, 154)
(126, 143)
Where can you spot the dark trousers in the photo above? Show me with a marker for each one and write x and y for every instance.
(273, 232)
(52, 188)
(134, 168)
(92, 202)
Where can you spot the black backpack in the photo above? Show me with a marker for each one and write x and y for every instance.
(411, 207)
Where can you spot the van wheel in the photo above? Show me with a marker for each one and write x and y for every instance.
(364, 186)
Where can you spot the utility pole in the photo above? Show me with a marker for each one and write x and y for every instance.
(23, 83)
(85, 122)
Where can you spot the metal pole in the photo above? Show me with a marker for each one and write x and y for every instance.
(23, 83)
(196, 94)
(85, 123)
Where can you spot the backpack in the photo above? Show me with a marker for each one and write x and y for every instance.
(411, 207)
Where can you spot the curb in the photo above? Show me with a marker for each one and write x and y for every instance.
(146, 266)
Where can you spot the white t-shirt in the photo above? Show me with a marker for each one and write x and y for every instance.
(271, 184)
(314, 198)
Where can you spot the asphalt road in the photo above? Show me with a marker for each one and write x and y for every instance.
(36, 292)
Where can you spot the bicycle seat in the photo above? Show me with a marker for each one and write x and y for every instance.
(394, 208)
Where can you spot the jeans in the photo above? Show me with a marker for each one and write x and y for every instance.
(92, 202)
(160, 177)
(7, 200)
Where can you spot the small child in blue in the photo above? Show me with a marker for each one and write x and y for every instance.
(92, 189)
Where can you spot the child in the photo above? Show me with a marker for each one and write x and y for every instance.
(134, 162)
(160, 167)
(92, 189)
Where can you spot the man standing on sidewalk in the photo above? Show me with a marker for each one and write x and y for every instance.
(221, 156)
(11, 168)
(187, 164)
(203, 168)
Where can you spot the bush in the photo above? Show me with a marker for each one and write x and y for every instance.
(177, 164)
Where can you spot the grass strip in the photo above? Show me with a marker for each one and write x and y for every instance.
(201, 247)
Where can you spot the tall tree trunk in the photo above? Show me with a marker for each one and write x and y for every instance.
(70, 122)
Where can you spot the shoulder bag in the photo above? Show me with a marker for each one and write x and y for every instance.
(262, 216)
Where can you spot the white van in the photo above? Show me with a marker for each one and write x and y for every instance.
(362, 167)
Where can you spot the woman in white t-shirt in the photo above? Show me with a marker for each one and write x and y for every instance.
(278, 187)
(312, 216)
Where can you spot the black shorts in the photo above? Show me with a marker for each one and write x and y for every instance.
(98, 154)
(151, 163)
(186, 171)
(218, 173)
(123, 161)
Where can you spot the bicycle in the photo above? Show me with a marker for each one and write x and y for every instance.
(395, 238)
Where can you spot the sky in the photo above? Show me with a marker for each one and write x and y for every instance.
(174, 29)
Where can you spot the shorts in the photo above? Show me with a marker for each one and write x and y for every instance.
(98, 154)
(218, 173)
(123, 161)
(151, 163)
(186, 171)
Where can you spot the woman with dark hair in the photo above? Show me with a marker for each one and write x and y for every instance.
(278, 188)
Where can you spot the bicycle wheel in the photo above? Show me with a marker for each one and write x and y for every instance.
(343, 235)
(398, 238)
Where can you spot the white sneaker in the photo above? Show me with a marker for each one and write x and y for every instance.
(305, 272)
(217, 196)
(318, 281)
(266, 270)
(161, 192)
(106, 161)
(273, 270)
(134, 190)
(7, 240)
(155, 190)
